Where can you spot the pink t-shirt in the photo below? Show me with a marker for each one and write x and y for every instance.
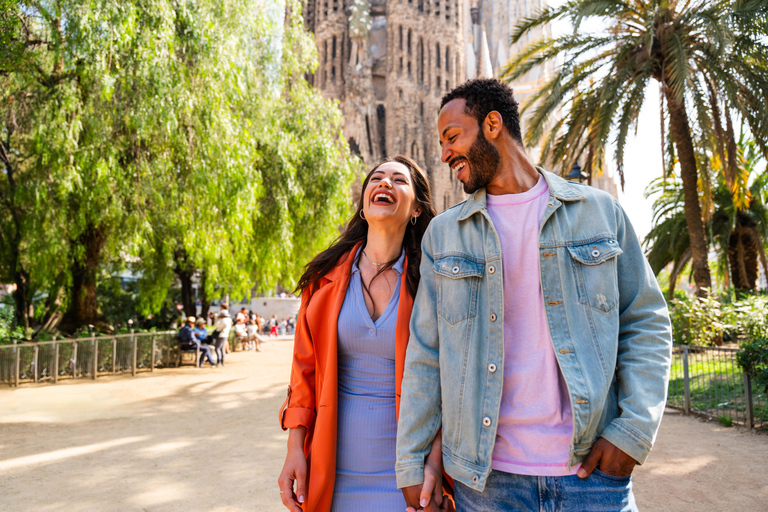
(535, 422)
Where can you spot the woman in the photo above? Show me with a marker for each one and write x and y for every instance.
(349, 351)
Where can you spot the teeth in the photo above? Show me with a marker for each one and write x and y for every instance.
(385, 197)
(459, 167)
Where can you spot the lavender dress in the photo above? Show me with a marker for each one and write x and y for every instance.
(367, 422)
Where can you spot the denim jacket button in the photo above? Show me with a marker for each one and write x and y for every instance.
(491, 269)
(475, 479)
(595, 253)
(455, 269)
(492, 368)
(487, 421)
(493, 317)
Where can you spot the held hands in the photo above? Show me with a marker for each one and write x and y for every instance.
(428, 497)
(294, 470)
(611, 460)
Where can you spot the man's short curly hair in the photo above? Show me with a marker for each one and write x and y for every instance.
(484, 95)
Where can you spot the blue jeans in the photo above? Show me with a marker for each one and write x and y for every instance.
(505, 492)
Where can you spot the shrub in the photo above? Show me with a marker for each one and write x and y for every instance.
(697, 321)
(753, 357)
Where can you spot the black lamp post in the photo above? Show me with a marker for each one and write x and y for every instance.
(576, 173)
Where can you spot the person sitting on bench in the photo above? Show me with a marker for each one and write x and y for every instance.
(188, 341)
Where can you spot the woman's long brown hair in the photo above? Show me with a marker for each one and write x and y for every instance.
(357, 231)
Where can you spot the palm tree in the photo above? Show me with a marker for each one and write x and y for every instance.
(709, 58)
(736, 227)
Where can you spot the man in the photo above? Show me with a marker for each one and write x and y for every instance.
(223, 326)
(540, 341)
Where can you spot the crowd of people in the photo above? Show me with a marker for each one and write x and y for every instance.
(249, 330)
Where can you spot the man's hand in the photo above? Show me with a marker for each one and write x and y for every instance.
(611, 460)
(429, 496)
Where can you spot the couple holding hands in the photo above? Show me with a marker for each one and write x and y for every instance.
(509, 354)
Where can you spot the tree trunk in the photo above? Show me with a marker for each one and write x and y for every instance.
(83, 306)
(205, 303)
(185, 270)
(676, 269)
(681, 134)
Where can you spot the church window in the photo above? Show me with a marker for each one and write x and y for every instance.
(447, 59)
(409, 41)
(401, 37)
(333, 52)
(437, 55)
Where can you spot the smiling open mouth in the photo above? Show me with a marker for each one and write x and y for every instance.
(458, 166)
(383, 198)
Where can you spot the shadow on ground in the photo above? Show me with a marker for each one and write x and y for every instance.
(211, 444)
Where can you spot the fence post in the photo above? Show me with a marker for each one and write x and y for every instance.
(114, 353)
(135, 348)
(55, 360)
(152, 367)
(750, 405)
(74, 359)
(34, 363)
(95, 345)
(16, 362)
(686, 382)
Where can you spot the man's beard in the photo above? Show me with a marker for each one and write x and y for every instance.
(483, 158)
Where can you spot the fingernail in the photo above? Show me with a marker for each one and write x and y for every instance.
(301, 499)
(424, 502)
(581, 473)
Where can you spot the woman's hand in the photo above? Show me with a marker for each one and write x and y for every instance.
(431, 494)
(294, 470)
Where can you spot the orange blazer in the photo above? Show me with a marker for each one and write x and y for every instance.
(313, 391)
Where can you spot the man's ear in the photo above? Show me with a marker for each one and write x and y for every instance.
(493, 125)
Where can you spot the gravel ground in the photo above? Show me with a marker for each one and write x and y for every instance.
(208, 440)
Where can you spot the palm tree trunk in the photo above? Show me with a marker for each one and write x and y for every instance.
(681, 134)
(676, 269)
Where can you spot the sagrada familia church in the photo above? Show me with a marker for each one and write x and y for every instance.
(389, 62)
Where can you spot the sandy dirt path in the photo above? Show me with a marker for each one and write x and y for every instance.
(208, 440)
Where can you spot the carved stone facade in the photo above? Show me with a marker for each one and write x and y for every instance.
(389, 62)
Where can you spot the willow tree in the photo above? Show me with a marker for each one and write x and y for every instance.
(708, 57)
(162, 136)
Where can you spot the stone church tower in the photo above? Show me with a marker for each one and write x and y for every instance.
(389, 62)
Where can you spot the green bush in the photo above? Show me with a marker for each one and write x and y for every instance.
(9, 331)
(753, 357)
(715, 319)
(697, 321)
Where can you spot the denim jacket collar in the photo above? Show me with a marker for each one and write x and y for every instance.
(558, 187)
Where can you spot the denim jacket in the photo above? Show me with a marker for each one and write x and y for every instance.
(607, 318)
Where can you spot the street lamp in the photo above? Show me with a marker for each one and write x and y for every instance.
(576, 173)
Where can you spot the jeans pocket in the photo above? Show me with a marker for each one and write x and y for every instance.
(621, 480)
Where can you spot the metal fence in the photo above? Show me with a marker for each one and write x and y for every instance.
(51, 361)
(710, 382)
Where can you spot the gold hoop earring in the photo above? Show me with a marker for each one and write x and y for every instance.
(362, 216)
(413, 220)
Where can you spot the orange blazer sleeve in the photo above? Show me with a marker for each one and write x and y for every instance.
(299, 408)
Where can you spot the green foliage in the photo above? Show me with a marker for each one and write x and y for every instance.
(725, 421)
(714, 319)
(8, 328)
(753, 357)
(166, 137)
(697, 321)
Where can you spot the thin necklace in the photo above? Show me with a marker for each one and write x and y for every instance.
(373, 262)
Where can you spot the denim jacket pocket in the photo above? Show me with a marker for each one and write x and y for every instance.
(594, 266)
(458, 282)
